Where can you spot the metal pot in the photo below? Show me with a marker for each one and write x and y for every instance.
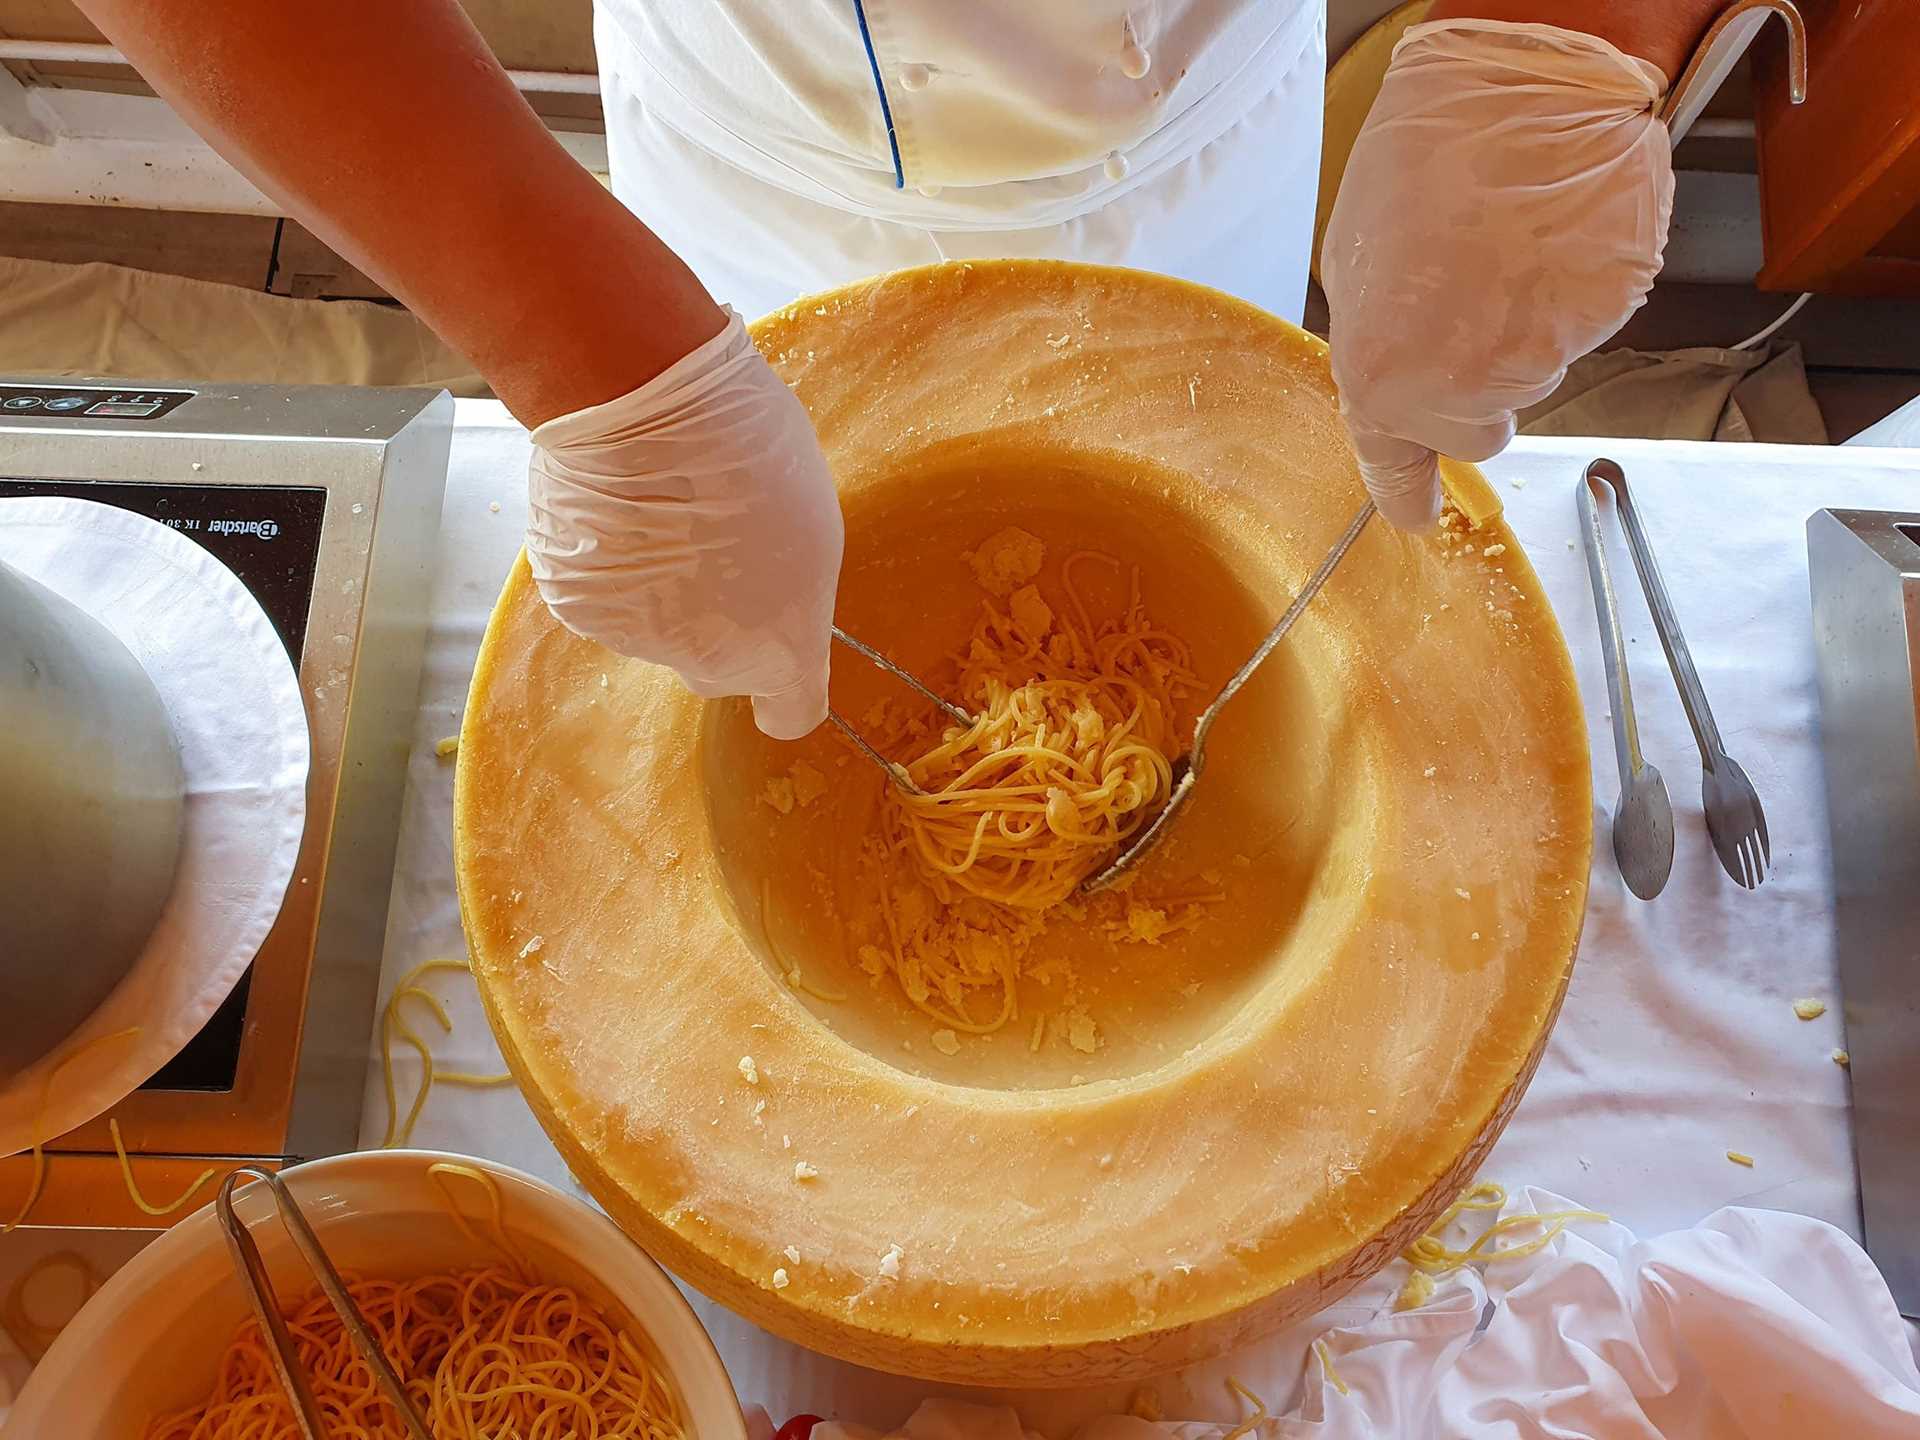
(91, 798)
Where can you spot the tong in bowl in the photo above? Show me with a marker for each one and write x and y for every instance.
(273, 1326)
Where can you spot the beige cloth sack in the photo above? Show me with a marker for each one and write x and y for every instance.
(1700, 394)
(113, 322)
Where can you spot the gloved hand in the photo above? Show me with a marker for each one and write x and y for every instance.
(1503, 212)
(693, 523)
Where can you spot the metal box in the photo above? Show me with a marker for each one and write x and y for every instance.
(1864, 566)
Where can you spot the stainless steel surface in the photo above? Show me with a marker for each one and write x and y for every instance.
(1735, 820)
(1643, 818)
(1721, 48)
(92, 791)
(380, 457)
(281, 1351)
(1864, 569)
(1186, 770)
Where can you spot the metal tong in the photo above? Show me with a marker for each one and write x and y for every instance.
(1186, 770)
(266, 1307)
(1735, 821)
(1643, 818)
(895, 773)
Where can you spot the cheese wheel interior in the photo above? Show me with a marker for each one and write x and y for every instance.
(1252, 1115)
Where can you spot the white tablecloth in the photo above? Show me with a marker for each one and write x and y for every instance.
(1678, 1040)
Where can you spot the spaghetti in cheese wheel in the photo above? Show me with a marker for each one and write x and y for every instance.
(1066, 759)
(1026, 1146)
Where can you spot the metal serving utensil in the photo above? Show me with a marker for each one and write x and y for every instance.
(266, 1306)
(1643, 820)
(1186, 770)
(1735, 821)
(896, 773)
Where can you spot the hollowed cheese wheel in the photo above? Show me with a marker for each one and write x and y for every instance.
(1397, 813)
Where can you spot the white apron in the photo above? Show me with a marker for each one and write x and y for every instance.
(783, 147)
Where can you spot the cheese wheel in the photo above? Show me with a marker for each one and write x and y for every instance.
(1216, 1134)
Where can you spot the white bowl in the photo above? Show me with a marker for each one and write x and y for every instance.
(150, 1340)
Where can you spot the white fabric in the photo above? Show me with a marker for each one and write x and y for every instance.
(1502, 213)
(1677, 1041)
(1006, 113)
(235, 704)
(1234, 212)
(1901, 428)
(1753, 1325)
(693, 523)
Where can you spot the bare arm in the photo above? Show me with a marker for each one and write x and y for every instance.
(1663, 31)
(387, 127)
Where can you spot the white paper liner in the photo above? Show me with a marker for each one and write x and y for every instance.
(234, 700)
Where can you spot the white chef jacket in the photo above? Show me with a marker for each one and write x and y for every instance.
(787, 146)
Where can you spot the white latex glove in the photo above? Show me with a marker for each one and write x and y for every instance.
(1503, 212)
(693, 523)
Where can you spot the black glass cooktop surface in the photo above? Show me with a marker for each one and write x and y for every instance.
(269, 536)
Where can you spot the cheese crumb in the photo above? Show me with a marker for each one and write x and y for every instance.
(603, 679)
(1006, 560)
(533, 946)
(780, 1279)
(803, 1171)
(1841, 1058)
(1032, 616)
(890, 1263)
(808, 783)
(946, 1042)
(1740, 1159)
(1145, 923)
(1808, 1008)
(446, 747)
(1416, 1292)
(792, 1252)
(1463, 894)
(1430, 772)
(779, 794)
(493, 505)
(1082, 1034)
(1493, 550)
(749, 1072)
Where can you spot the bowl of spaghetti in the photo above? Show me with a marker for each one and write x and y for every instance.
(506, 1307)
